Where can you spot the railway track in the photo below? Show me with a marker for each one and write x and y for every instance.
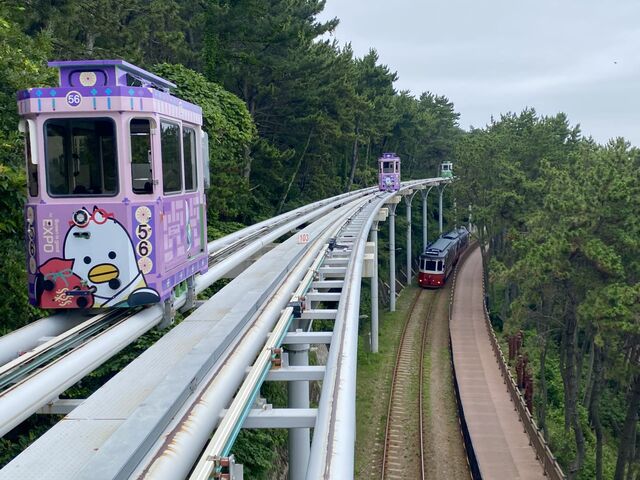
(29, 363)
(403, 455)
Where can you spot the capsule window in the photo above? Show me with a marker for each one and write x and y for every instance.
(388, 167)
(141, 166)
(32, 167)
(171, 161)
(189, 158)
(81, 158)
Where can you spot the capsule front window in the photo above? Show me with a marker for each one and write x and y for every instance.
(81, 157)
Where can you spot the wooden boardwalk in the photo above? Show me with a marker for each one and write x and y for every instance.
(500, 444)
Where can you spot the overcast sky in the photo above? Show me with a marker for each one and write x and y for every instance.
(581, 57)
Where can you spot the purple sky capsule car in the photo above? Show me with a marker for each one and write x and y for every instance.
(116, 167)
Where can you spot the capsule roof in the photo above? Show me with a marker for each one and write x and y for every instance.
(116, 73)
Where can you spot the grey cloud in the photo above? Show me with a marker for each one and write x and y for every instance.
(490, 57)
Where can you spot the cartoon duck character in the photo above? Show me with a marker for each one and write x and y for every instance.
(105, 259)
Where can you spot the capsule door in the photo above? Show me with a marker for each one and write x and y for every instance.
(183, 222)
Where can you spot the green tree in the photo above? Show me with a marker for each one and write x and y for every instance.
(230, 130)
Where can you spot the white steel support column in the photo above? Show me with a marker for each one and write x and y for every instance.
(392, 258)
(441, 191)
(299, 438)
(373, 237)
(408, 200)
(425, 219)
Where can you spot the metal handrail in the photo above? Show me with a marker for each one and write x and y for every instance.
(549, 462)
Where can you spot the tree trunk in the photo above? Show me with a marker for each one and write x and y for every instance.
(629, 429)
(295, 173)
(571, 388)
(590, 380)
(633, 458)
(366, 160)
(597, 358)
(90, 43)
(251, 106)
(542, 406)
(563, 371)
(354, 159)
(582, 353)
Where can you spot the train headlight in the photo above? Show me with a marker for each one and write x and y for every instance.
(81, 218)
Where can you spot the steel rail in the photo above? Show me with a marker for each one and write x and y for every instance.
(26, 338)
(15, 343)
(16, 406)
(286, 217)
(332, 454)
(332, 448)
(226, 433)
(224, 437)
(44, 385)
(185, 438)
(423, 345)
(18, 368)
(394, 384)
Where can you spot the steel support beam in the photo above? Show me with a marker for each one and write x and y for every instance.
(60, 406)
(440, 191)
(408, 200)
(279, 417)
(295, 373)
(425, 218)
(327, 284)
(322, 296)
(374, 289)
(332, 271)
(392, 259)
(308, 337)
(298, 391)
(319, 314)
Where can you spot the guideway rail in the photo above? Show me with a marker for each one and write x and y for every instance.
(44, 385)
(226, 433)
(185, 438)
(28, 337)
(220, 334)
(162, 442)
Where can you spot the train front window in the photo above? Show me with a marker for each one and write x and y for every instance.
(81, 157)
(431, 265)
(388, 167)
(140, 139)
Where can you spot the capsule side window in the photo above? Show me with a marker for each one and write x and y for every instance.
(31, 155)
(141, 159)
(171, 158)
(189, 158)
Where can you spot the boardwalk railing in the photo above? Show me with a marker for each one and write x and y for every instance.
(543, 453)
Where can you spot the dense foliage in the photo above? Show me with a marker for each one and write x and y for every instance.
(557, 216)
